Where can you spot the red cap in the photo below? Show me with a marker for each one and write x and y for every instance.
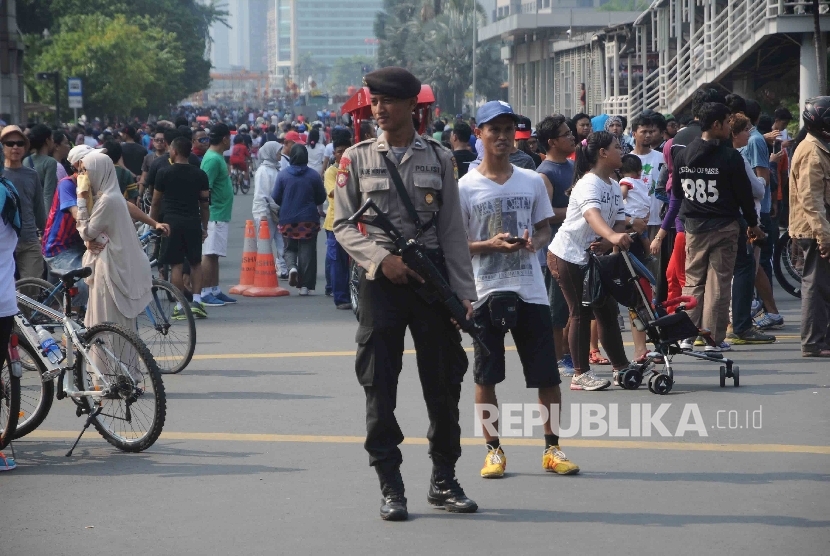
(295, 137)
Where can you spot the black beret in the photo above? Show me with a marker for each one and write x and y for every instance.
(393, 81)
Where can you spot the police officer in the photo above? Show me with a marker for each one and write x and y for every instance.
(388, 303)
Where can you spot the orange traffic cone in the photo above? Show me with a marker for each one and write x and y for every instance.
(246, 274)
(265, 276)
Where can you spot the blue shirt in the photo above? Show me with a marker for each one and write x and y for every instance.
(756, 153)
(298, 190)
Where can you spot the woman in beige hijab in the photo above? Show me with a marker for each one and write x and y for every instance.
(121, 283)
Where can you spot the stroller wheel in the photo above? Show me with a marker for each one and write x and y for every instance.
(632, 379)
(662, 385)
(722, 376)
(736, 375)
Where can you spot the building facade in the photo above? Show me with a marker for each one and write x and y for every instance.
(324, 29)
(241, 45)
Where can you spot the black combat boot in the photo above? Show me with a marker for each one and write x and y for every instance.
(393, 503)
(446, 493)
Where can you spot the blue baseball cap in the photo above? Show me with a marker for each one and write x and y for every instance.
(493, 110)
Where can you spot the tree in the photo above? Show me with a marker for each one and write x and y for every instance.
(182, 26)
(348, 72)
(124, 67)
(438, 51)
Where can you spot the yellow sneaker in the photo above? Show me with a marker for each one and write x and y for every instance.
(555, 461)
(494, 464)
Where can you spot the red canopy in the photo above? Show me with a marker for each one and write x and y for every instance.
(359, 106)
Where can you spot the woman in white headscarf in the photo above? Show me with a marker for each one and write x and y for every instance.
(121, 282)
(264, 206)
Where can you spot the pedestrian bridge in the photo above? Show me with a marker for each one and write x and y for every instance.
(687, 43)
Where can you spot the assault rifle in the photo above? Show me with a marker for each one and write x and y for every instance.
(414, 255)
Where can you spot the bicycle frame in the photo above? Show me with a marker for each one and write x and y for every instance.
(71, 331)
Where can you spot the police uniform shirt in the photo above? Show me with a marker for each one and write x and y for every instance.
(428, 172)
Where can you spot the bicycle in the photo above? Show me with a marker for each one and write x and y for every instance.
(788, 264)
(171, 342)
(10, 393)
(107, 372)
(241, 179)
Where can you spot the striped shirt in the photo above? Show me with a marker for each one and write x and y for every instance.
(576, 235)
(61, 233)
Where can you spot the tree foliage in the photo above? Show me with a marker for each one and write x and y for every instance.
(348, 72)
(438, 49)
(124, 67)
(176, 32)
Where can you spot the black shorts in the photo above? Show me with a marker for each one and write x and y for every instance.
(533, 336)
(184, 243)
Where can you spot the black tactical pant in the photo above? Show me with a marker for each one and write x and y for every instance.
(385, 311)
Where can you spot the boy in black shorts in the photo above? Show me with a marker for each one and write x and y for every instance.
(182, 195)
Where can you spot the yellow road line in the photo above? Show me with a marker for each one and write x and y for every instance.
(573, 442)
(290, 354)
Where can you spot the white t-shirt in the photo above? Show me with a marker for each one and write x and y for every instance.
(315, 157)
(637, 203)
(575, 235)
(487, 209)
(8, 241)
(652, 164)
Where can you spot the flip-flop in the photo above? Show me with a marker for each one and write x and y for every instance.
(6, 463)
(596, 358)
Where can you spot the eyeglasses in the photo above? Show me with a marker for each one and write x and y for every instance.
(11, 144)
(158, 140)
(203, 139)
(569, 134)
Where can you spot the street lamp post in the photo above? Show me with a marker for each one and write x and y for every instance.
(55, 77)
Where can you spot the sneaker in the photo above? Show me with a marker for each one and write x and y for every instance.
(616, 378)
(769, 322)
(304, 291)
(588, 381)
(555, 461)
(198, 310)
(725, 346)
(566, 366)
(712, 349)
(344, 306)
(329, 293)
(222, 297)
(6, 463)
(211, 301)
(751, 336)
(494, 464)
(699, 341)
(687, 345)
(757, 307)
(284, 275)
(178, 314)
(293, 277)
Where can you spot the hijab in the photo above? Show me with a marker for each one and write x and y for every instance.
(266, 176)
(626, 148)
(298, 155)
(269, 154)
(122, 266)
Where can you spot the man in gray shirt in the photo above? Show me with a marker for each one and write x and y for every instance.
(41, 161)
(32, 212)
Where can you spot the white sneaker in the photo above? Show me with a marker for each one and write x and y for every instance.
(687, 345)
(712, 349)
(303, 291)
(588, 381)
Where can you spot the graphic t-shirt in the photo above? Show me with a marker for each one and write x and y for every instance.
(487, 209)
(652, 164)
(637, 202)
(60, 233)
(576, 235)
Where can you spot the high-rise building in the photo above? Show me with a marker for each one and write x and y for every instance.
(325, 29)
(241, 44)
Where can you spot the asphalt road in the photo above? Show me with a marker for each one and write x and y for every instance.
(262, 454)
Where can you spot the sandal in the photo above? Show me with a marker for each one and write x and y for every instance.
(643, 358)
(596, 358)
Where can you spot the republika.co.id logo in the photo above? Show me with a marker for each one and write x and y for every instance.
(596, 420)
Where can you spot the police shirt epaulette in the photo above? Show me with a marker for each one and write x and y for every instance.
(366, 142)
(436, 143)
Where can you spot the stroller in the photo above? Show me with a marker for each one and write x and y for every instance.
(630, 283)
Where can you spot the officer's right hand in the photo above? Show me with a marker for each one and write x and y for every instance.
(394, 268)
(755, 233)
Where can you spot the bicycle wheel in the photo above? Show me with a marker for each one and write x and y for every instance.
(44, 293)
(9, 403)
(35, 395)
(788, 263)
(172, 342)
(235, 181)
(354, 285)
(132, 415)
(245, 186)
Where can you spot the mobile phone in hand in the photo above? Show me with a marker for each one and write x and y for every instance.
(516, 239)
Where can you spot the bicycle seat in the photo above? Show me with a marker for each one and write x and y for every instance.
(69, 277)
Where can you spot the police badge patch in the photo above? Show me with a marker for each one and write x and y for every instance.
(343, 171)
(455, 168)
